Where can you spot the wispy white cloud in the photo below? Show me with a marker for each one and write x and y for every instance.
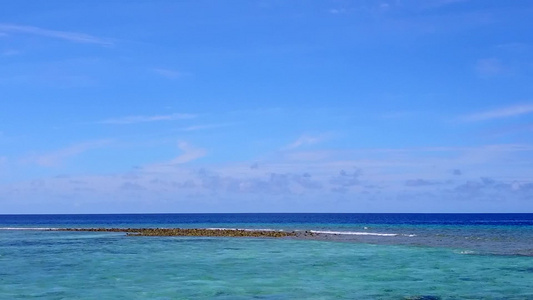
(203, 127)
(510, 130)
(514, 47)
(169, 168)
(190, 153)
(57, 157)
(75, 37)
(305, 140)
(144, 119)
(505, 112)
(364, 175)
(336, 11)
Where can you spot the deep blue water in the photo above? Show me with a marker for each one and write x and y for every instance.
(524, 219)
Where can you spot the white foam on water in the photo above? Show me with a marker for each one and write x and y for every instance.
(318, 231)
(29, 228)
(220, 228)
(353, 233)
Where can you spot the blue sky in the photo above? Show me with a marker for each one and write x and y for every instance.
(266, 106)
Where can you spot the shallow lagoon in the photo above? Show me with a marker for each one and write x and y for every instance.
(420, 256)
(82, 265)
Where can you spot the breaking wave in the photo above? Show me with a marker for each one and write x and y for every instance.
(353, 233)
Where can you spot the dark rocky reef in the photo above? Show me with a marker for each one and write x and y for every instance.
(200, 232)
(210, 232)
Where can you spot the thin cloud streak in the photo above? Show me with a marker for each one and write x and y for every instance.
(305, 140)
(145, 119)
(203, 127)
(168, 168)
(190, 153)
(506, 112)
(75, 37)
(57, 157)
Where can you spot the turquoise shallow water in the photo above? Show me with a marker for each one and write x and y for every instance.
(406, 256)
(78, 265)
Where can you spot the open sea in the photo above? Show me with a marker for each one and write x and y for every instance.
(362, 256)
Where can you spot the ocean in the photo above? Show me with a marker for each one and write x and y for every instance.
(362, 256)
